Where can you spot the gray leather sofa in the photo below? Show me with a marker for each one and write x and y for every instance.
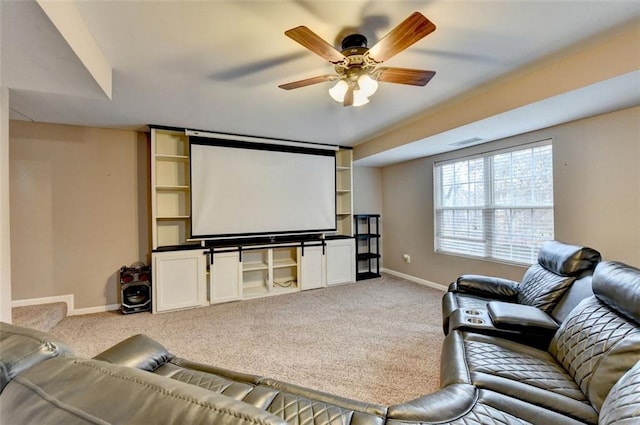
(529, 311)
(485, 379)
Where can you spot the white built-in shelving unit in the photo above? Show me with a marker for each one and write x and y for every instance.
(170, 200)
(186, 274)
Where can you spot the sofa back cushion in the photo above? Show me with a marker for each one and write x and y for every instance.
(596, 343)
(567, 260)
(65, 390)
(618, 285)
(545, 283)
(622, 404)
(542, 288)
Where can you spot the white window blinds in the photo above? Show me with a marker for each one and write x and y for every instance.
(497, 205)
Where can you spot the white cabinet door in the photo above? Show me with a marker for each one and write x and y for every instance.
(226, 277)
(312, 268)
(341, 262)
(179, 280)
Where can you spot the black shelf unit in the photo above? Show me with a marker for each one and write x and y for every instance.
(367, 235)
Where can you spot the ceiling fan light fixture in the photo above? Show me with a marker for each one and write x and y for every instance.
(359, 98)
(368, 85)
(365, 86)
(338, 91)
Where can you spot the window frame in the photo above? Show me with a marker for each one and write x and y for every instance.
(489, 205)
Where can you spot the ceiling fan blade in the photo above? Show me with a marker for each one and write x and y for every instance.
(308, 82)
(404, 35)
(348, 96)
(414, 77)
(313, 42)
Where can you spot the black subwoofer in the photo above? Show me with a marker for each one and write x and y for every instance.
(135, 288)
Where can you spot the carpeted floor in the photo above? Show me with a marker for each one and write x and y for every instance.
(42, 317)
(376, 340)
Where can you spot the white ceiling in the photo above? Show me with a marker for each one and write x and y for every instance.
(216, 65)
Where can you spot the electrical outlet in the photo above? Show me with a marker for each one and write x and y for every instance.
(406, 258)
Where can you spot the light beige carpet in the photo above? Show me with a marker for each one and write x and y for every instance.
(376, 340)
(42, 317)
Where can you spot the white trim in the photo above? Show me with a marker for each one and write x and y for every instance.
(68, 299)
(424, 282)
(97, 309)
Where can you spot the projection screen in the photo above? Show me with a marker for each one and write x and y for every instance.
(241, 189)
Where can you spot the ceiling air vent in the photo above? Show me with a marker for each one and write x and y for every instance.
(466, 142)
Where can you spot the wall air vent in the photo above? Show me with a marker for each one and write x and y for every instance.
(466, 142)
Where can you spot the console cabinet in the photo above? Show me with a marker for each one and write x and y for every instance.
(312, 268)
(340, 265)
(179, 280)
(225, 278)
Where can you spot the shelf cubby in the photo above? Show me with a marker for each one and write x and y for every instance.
(344, 194)
(170, 206)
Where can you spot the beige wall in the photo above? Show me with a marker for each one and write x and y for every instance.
(367, 194)
(79, 201)
(596, 195)
(367, 190)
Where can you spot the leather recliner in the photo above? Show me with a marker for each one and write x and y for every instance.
(597, 343)
(527, 311)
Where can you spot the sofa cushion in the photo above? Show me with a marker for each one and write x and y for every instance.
(622, 405)
(600, 340)
(596, 346)
(513, 369)
(542, 288)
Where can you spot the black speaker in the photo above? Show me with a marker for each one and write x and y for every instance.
(135, 288)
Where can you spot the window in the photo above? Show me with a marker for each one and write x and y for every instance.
(498, 205)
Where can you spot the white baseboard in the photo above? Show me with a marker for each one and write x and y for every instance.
(91, 310)
(69, 300)
(415, 279)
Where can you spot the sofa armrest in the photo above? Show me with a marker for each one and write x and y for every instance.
(522, 318)
(442, 406)
(489, 286)
(23, 348)
(138, 351)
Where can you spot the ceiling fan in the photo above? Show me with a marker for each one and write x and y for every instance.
(357, 66)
